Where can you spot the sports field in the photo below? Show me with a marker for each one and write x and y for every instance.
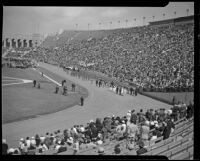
(100, 102)
(22, 101)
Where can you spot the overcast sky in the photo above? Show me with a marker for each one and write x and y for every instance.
(46, 20)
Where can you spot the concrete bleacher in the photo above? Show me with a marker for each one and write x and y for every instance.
(178, 146)
(169, 147)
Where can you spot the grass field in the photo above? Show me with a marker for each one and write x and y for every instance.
(185, 97)
(23, 101)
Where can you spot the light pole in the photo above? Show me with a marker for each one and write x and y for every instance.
(143, 20)
(187, 10)
(135, 21)
(119, 23)
(153, 18)
(100, 25)
(76, 26)
(175, 14)
(126, 22)
(88, 26)
(110, 24)
(163, 15)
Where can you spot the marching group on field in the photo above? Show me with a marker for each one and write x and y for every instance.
(134, 127)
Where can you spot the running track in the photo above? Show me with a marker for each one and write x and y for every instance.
(101, 102)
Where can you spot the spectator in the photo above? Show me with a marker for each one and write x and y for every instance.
(4, 147)
(141, 149)
(132, 132)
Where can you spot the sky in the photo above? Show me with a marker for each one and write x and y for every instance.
(48, 20)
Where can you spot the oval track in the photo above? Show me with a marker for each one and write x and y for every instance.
(101, 102)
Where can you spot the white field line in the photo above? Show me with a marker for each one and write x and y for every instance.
(16, 83)
(48, 78)
(13, 78)
(9, 80)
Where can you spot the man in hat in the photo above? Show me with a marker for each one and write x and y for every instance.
(141, 149)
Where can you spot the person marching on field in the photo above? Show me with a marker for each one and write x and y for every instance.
(73, 87)
(38, 85)
(57, 89)
(34, 83)
(135, 91)
(97, 82)
(63, 82)
(82, 100)
(65, 90)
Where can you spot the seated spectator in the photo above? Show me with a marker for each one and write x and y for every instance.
(33, 143)
(4, 147)
(11, 151)
(28, 142)
(17, 152)
(141, 149)
(154, 137)
(117, 149)
(42, 138)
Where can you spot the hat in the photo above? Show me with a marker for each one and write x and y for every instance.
(156, 125)
(147, 123)
(128, 114)
(11, 150)
(91, 121)
(129, 111)
(155, 122)
(141, 144)
(152, 123)
(22, 139)
(32, 137)
(101, 150)
(99, 142)
(123, 121)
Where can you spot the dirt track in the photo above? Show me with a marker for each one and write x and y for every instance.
(101, 102)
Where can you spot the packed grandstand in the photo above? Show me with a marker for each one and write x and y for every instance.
(154, 58)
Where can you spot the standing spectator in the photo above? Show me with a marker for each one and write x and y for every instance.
(145, 131)
(132, 132)
(4, 147)
(75, 146)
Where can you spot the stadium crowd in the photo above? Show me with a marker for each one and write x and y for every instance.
(137, 128)
(155, 58)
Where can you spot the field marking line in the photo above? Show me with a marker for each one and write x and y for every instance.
(13, 78)
(4, 80)
(25, 81)
(48, 77)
